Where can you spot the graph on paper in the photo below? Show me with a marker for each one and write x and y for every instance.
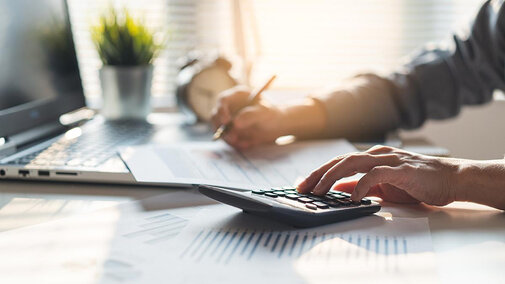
(157, 228)
(225, 246)
(222, 244)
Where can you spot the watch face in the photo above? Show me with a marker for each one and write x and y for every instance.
(204, 90)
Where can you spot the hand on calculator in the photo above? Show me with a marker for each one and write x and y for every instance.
(392, 174)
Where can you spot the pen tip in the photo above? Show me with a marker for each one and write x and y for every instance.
(217, 134)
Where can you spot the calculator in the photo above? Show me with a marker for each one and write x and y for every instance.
(286, 205)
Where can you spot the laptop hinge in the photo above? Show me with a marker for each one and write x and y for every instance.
(12, 143)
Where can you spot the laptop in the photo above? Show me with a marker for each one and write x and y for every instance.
(40, 85)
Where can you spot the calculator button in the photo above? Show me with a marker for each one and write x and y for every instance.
(258, 191)
(304, 199)
(292, 196)
(311, 206)
(355, 202)
(270, 194)
(366, 201)
(315, 197)
(290, 191)
(344, 201)
(321, 205)
(339, 197)
(276, 189)
(280, 193)
(289, 188)
(332, 203)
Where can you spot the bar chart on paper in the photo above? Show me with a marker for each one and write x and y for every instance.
(222, 244)
(225, 246)
(156, 228)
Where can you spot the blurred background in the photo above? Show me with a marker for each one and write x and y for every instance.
(310, 44)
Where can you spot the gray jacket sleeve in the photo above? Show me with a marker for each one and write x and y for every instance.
(433, 85)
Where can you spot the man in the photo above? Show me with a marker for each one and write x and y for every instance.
(435, 84)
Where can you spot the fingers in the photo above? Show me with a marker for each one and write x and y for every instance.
(377, 175)
(229, 102)
(250, 116)
(380, 149)
(357, 163)
(308, 183)
(243, 140)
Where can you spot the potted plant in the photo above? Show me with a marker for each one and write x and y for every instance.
(127, 49)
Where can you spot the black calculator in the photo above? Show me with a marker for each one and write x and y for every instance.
(286, 205)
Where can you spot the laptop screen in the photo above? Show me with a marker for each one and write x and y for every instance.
(39, 74)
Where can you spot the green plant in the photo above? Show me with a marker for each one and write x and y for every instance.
(123, 40)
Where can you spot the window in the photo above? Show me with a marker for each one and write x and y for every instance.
(308, 43)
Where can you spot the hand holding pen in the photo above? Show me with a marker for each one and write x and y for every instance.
(253, 99)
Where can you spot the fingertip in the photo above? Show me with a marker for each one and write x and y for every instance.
(354, 196)
(302, 187)
(319, 189)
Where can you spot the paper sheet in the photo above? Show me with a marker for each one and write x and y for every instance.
(111, 245)
(223, 245)
(216, 163)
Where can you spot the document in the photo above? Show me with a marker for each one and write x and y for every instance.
(110, 245)
(216, 163)
(224, 245)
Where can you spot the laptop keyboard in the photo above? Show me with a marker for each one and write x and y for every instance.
(90, 149)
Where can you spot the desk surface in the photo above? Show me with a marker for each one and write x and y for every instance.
(468, 239)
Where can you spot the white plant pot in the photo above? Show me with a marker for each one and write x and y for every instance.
(126, 92)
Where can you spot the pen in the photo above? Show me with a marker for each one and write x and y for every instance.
(254, 98)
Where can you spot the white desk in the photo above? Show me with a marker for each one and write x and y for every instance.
(469, 239)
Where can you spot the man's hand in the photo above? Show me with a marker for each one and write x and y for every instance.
(251, 125)
(264, 123)
(391, 174)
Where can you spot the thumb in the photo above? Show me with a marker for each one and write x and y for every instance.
(250, 115)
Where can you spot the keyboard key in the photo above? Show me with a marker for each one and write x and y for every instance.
(258, 191)
(321, 205)
(315, 197)
(357, 203)
(305, 199)
(339, 197)
(345, 194)
(280, 193)
(57, 162)
(292, 196)
(277, 189)
(289, 188)
(74, 162)
(366, 201)
(270, 194)
(311, 206)
(332, 203)
(344, 201)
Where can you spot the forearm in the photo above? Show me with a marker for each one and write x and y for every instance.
(305, 121)
(482, 182)
(362, 108)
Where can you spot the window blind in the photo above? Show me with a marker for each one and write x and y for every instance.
(308, 43)
(313, 43)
